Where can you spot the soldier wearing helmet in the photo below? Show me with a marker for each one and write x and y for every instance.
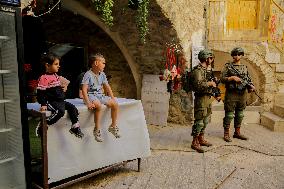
(236, 93)
(202, 105)
(237, 51)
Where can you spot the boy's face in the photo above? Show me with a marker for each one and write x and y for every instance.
(54, 67)
(100, 64)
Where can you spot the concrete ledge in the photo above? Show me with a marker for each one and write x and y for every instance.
(279, 110)
(250, 117)
(272, 122)
(279, 99)
(219, 106)
(252, 114)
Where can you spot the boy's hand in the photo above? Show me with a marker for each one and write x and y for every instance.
(91, 106)
(43, 108)
(63, 81)
(64, 88)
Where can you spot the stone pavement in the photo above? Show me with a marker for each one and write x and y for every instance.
(256, 163)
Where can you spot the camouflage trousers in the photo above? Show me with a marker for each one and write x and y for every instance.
(234, 105)
(202, 112)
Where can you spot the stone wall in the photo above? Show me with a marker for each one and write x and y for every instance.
(188, 19)
(182, 22)
(255, 55)
(66, 27)
(277, 38)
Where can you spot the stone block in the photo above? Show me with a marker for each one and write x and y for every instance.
(155, 100)
(251, 113)
(272, 122)
(272, 58)
(279, 99)
(280, 76)
(280, 68)
(278, 110)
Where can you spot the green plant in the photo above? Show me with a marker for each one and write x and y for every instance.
(142, 19)
(133, 4)
(103, 7)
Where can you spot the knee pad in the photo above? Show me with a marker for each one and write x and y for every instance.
(199, 123)
(240, 114)
(206, 120)
(239, 118)
(229, 116)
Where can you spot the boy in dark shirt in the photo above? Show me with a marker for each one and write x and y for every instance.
(50, 95)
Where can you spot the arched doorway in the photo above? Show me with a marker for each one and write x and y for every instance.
(221, 58)
(66, 27)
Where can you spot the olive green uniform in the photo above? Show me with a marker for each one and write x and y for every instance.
(235, 95)
(202, 103)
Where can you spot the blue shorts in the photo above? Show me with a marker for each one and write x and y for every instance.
(102, 98)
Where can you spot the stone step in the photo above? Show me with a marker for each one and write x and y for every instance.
(250, 117)
(272, 121)
(278, 110)
(251, 113)
(279, 99)
(248, 108)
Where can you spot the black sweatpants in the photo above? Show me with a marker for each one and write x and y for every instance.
(58, 110)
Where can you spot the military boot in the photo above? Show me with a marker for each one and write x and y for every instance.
(202, 141)
(227, 134)
(237, 134)
(196, 146)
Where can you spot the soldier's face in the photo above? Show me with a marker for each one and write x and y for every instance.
(210, 60)
(237, 57)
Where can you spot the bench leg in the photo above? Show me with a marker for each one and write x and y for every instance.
(139, 163)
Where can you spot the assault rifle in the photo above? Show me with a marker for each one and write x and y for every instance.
(245, 80)
(216, 92)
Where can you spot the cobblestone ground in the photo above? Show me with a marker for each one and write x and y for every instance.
(256, 163)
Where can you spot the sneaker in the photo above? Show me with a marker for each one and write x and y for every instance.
(97, 134)
(38, 130)
(77, 132)
(114, 131)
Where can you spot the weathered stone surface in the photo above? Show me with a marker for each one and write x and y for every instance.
(280, 77)
(182, 22)
(280, 68)
(256, 163)
(180, 110)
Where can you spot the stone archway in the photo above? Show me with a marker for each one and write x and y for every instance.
(78, 8)
(221, 58)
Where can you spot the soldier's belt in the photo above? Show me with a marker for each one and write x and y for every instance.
(236, 91)
(202, 94)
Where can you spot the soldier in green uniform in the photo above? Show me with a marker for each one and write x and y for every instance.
(237, 81)
(202, 103)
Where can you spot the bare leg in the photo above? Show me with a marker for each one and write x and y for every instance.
(114, 111)
(97, 120)
(97, 117)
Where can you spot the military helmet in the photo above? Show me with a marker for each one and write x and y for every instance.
(204, 54)
(237, 51)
